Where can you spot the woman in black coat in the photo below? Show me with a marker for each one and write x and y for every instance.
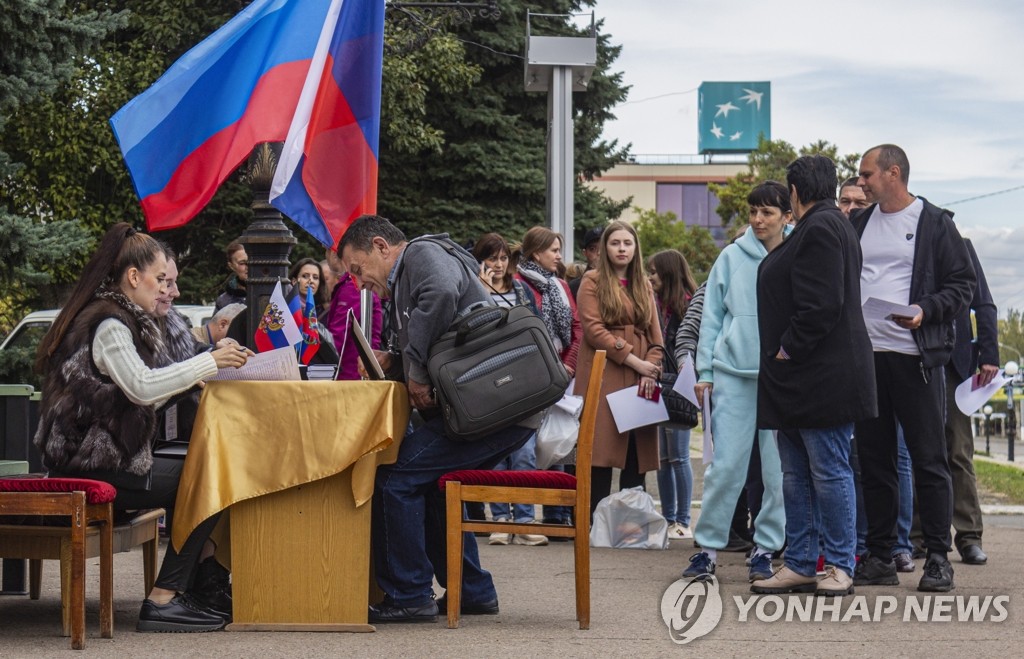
(816, 379)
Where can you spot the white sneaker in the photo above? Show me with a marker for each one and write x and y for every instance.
(530, 539)
(500, 539)
(675, 531)
(685, 530)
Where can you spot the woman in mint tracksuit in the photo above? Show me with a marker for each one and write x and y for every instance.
(727, 363)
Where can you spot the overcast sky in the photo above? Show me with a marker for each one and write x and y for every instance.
(944, 80)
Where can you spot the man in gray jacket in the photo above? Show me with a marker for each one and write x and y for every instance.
(427, 287)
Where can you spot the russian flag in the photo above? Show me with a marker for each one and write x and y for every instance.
(187, 133)
(310, 329)
(279, 325)
(327, 175)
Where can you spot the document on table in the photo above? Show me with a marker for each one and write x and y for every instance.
(686, 381)
(970, 395)
(632, 411)
(705, 422)
(279, 364)
(886, 310)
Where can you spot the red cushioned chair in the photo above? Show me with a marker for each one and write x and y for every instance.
(87, 503)
(550, 488)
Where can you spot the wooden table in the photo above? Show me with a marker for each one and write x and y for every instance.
(294, 462)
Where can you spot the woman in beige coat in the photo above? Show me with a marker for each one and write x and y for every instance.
(618, 314)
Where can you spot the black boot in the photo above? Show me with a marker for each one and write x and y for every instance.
(212, 588)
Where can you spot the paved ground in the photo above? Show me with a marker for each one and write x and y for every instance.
(537, 619)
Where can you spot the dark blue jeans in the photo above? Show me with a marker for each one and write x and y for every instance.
(408, 531)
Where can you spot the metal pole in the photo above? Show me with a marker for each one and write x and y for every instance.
(1011, 422)
(988, 434)
(366, 314)
(560, 158)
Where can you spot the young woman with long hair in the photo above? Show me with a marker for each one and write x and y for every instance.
(673, 286)
(619, 315)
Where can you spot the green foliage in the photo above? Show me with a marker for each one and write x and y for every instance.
(658, 231)
(1011, 336)
(768, 163)
(1002, 482)
(490, 173)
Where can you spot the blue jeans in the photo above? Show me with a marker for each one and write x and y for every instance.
(818, 493)
(408, 531)
(905, 518)
(675, 478)
(523, 458)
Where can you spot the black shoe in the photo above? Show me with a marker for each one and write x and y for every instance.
(938, 575)
(973, 555)
(181, 614)
(481, 609)
(386, 613)
(211, 588)
(903, 561)
(554, 538)
(873, 571)
(737, 543)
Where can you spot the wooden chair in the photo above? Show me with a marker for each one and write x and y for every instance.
(88, 504)
(551, 488)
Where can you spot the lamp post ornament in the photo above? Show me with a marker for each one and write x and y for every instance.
(987, 411)
(1011, 370)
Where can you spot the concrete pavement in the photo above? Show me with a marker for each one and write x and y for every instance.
(535, 586)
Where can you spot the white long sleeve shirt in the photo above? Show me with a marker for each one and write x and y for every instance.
(115, 355)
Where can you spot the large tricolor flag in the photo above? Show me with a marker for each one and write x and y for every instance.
(327, 175)
(183, 136)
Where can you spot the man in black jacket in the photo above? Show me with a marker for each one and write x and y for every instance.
(816, 379)
(979, 356)
(913, 255)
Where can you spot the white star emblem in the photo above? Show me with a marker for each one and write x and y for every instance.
(725, 108)
(752, 97)
(735, 136)
(716, 131)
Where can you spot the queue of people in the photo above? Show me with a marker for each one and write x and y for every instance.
(779, 315)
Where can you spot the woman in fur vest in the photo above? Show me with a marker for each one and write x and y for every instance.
(102, 384)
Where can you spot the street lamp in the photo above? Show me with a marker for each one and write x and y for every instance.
(1010, 370)
(987, 410)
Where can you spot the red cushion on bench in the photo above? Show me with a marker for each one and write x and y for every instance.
(554, 480)
(95, 491)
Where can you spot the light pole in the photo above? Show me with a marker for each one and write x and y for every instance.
(1010, 370)
(987, 410)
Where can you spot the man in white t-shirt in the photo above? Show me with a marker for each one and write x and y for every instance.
(913, 255)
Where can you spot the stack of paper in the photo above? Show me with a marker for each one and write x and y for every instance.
(320, 372)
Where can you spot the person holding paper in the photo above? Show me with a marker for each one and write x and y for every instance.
(101, 386)
(673, 286)
(913, 255)
(727, 366)
(619, 315)
(978, 357)
(816, 380)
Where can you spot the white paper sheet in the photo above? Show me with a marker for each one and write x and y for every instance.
(632, 411)
(709, 440)
(686, 381)
(885, 310)
(279, 364)
(970, 397)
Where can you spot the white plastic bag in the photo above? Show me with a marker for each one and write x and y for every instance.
(558, 431)
(629, 520)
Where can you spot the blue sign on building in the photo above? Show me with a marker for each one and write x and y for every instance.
(731, 116)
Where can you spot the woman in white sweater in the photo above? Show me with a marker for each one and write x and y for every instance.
(100, 392)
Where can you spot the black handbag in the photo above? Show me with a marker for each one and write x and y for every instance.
(682, 413)
(494, 368)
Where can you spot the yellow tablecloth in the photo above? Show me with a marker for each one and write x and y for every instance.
(254, 438)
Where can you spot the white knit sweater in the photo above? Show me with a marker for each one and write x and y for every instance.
(114, 353)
